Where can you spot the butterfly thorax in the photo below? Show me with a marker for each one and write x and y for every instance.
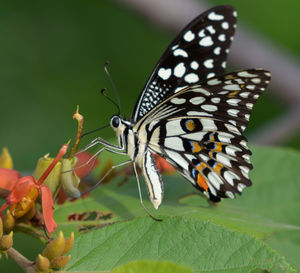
(134, 144)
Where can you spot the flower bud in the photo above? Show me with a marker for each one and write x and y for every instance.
(68, 243)
(69, 180)
(6, 241)
(60, 261)
(42, 264)
(53, 179)
(55, 248)
(8, 222)
(5, 159)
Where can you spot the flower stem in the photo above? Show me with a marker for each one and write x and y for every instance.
(20, 260)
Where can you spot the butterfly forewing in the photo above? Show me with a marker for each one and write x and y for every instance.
(199, 131)
(197, 53)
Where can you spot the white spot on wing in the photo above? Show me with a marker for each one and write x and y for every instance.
(208, 124)
(178, 159)
(229, 176)
(211, 29)
(256, 80)
(245, 94)
(233, 102)
(210, 75)
(250, 87)
(208, 63)
(229, 194)
(215, 180)
(215, 17)
(195, 136)
(179, 70)
(173, 128)
(240, 187)
(216, 100)
(194, 65)
(174, 143)
(223, 159)
(180, 52)
(222, 37)
(209, 108)
(246, 74)
(214, 82)
(232, 87)
(201, 90)
(233, 112)
(196, 113)
(206, 41)
(217, 50)
(164, 73)
(225, 25)
(197, 100)
(178, 100)
(201, 33)
(191, 78)
(189, 36)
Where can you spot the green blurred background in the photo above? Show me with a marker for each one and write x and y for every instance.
(51, 60)
(52, 56)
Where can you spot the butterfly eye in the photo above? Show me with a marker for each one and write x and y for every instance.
(115, 122)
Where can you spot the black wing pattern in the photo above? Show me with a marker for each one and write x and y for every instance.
(199, 131)
(197, 53)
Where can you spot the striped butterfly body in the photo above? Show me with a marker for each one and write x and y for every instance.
(192, 114)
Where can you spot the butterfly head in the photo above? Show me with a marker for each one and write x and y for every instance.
(115, 122)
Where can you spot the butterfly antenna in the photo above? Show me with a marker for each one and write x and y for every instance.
(107, 97)
(140, 194)
(95, 130)
(112, 84)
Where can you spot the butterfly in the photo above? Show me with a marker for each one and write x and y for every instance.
(193, 114)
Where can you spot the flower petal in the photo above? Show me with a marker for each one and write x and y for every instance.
(81, 169)
(47, 205)
(8, 178)
(21, 189)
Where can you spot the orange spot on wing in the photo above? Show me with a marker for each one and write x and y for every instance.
(190, 125)
(233, 94)
(196, 147)
(218, 168)
(218, 147)
(201, 182)
(230, 77)
(201, 166)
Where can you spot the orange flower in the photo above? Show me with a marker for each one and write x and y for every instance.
(26, 190)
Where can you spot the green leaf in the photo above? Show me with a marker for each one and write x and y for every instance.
(269, 208)
(150, 267)
(200, 245)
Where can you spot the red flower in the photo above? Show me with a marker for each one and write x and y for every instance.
(82, 169)
(8, 178)
(26, 190)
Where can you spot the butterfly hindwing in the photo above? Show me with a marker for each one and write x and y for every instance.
(199, 131)
(198, 52)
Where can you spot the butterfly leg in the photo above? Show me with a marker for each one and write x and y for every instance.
(140, 193)
(106, 174)
(93, 158)
(100, 140)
